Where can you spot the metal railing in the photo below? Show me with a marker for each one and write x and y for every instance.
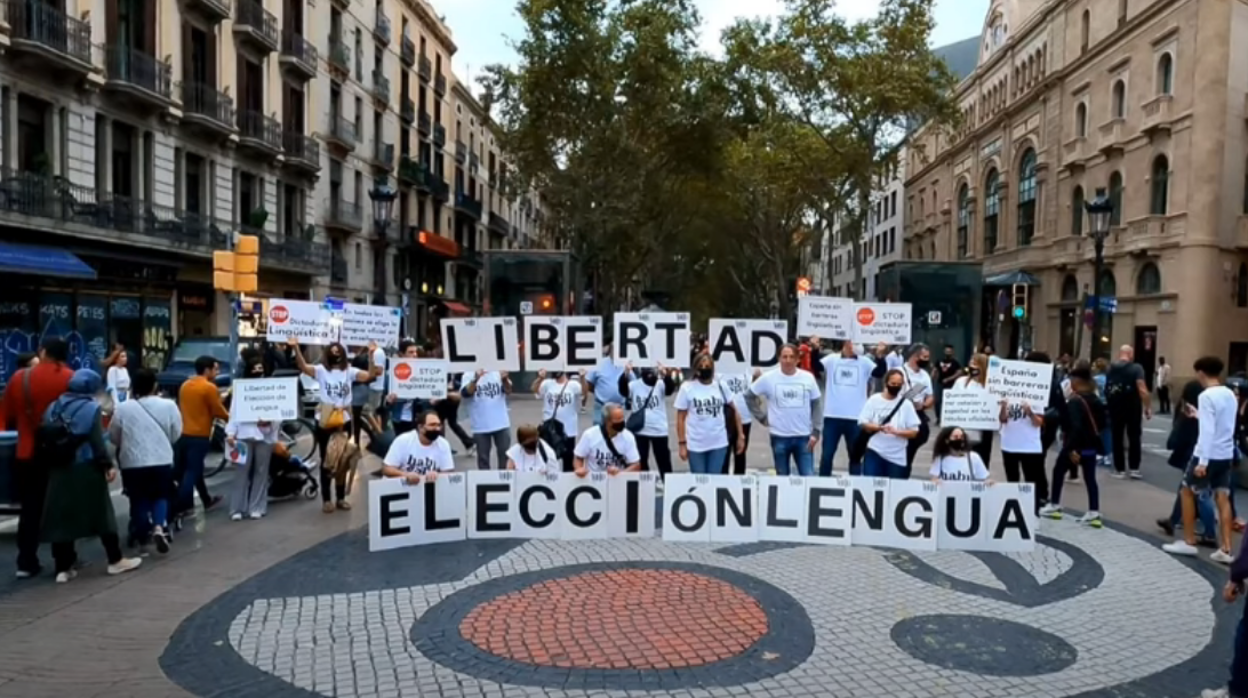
(136, 68)
(384, 153)
(300, 49)
(426, 69)
(461, 152)
(39, 23)
(206, 100)
(256, 126)
(468, 204)
(251, 14)
(345, 214)
(301, 146)
(381, 27)
(338, 269)
(381, 85)
(439, 135)
(339, 54)
(424, 123)
(410, 171)
(342, 130)
(297, 252)
(499, 223)
(439, 84)
(407, 51)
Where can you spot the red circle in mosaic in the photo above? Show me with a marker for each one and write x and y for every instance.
(619, 619)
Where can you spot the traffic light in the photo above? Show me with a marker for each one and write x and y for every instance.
(235, 271)
(1020, 301)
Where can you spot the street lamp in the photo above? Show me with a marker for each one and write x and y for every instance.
(1099, 211)
(383, 196)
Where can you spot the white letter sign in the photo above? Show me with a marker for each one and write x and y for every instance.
(970, 408)
(486, 343)
(649, 339)
(824, 317)
(418, 379)
(882, 322)
(562, 343)
(740, 346)
(265, 399)
(402, 515)
(1020, 381)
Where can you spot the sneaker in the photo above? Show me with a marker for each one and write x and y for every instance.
(1119, 476)
(162, 541)
(1136, 475)
(124, 565)
(65, 577)
(344, 505)
(28, 574)
(1221, 556)
(1093, 519)
(255, 516)
(1180, 547)
(1166, 525)
(236, 517)
(1052, 511)
(1215, 693)
(328, 507)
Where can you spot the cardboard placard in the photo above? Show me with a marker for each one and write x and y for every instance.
(889, 323)
(489, 344)
(1019, 382)
(562, 343)
(265, 399)
(649, 339)
(740, 346)
(825, 317)
(970, 408)
(418, 379)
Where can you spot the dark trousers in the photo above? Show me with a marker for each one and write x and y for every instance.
(734, 463)
(1126, 419)
(913, 445)
(448, 412)
(836, 430)
(1163, 399)
(662, 453)
(189, 466)
(569, 455)
(31, 485)
(357, 422)
(1029, 467)
(1238, 685)
(1087, 463)
(321, 435)
(66, 556)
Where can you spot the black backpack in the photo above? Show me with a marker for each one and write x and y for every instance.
(55, 441)
(552, 432)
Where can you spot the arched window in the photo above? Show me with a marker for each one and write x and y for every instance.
(1107, 288)
(1161, 186)
(1109, 285)
(964, 221)
(1070, 288)
(1165, 74)
(1119, 100)
(1149, 280)
(1241, 287)
(1027, 198)
(992, 210)
(1115, 198)
(1084, 23)
(1081, 120)
(1076, 211)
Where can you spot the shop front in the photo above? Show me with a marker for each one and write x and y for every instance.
(430, 295)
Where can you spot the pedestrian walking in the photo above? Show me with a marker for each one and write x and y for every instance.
(1162, 381)
(1237, 686)
(254, 443)
(144, 430)
(1184, 432)
(791, 413)
(199, 399)
(703, 409)
(487, 412)
(646, 398)
(1082, 443)
(1128, 396)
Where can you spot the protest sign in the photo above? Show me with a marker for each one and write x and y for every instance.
(740, 346)
(1020, 382)
(965, 525)
(309, 322)
(825, 317)
(487, 343)
(970, 408)
(648, 339)
(562, 343)
(402, 515)
(882, 322)
(418, 379)
(265, 399)
(362, 324)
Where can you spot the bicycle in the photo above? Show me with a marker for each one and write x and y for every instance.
(289, 434)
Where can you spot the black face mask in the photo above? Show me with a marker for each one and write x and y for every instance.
(557, 375)
(957, 445)
(706, 373)
(433, 434)
(892, 390)
(974, 371)
(529, 447)
(649, 377)
(925, 364)
(616, 427)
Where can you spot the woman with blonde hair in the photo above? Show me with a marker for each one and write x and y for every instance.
(976, 378)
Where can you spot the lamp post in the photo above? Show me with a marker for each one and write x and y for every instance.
(383, 196)
(1099, 211)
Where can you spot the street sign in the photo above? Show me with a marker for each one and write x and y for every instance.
(526, 307)
(933, 317)
(1108, 304)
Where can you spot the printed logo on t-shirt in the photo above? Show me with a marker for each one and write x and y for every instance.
(555, 400)
(601, 459)
(647, 402)
(846, 375)
(489, 390)
(419, 464)
(706, 407)
(790, 396)
(337, 390)
(1015, 412)
(736, 385)
(957, 476)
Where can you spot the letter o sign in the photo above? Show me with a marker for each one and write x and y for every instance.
(402, 372)
(866, 316)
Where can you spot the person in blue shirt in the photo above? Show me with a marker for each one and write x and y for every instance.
(603, 382)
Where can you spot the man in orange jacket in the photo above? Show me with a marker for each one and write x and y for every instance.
(199, 399)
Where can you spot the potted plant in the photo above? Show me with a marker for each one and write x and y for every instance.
(258, 218)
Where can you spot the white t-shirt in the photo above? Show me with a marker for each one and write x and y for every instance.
(847, 381)
(640, 398)
(592, 447)
(487, 410)
(891, 448)
(534, 462)
(967, 468)
(119, 383)
(560, 401)
(335, 387)
(893, 360)
(1019, 434)
(919, 377)
(736, 385)
(788, 401)
(379, 360)
(408, 454)
(703, 406)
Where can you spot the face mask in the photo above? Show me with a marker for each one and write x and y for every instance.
(557, 375)
(705, 373)
(925, 364)
(433, 434)
(974, 371)
(893, 390)
(649, 377)
(529, 447)
(617, 427)
(957, 445)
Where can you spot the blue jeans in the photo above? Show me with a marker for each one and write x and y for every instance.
(835, 429)
(192, 450)
(1238, 685)
(148, 492)
(1204, 513)
(708, 462)
(875, 465)
(1107, 437)
(796, 446)
(597, 415)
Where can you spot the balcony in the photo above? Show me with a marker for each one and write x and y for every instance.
(1113, 135)
(138, 75)
(425, 70)
(338, 275)
(465, 204)
(255, 26)
(470, 257)
(302, 151)
(439, 85)
(407, 51)
(299, 252)
(425, 124)
(259, 132)
(215, 10)
(299, 56)
(381, 87)
(339, 55)
(410, 172)
(1075, 153)
(341, 133)
(474, 163)
(1157, 115)
(344, 216)
(461, 152)
(439, 136)
(383, 155)
(438, 187)
(381, 28)
(499, 225)
(407, 110)
(207, 108)
(50, 36)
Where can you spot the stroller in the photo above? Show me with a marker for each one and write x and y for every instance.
(289, 476)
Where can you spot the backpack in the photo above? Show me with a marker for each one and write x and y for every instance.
(551, 430)
(55, 441)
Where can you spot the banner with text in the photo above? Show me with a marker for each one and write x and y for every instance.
(418, 379)
(485, 343)
(740, 346)
(882, 322)
(265, 399)
(562, 343)
(1020, 381)
(362, 324)
(825, 317)
(310, 322)
(970, 408)
(649, 339)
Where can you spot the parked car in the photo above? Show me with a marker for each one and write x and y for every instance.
(181, 364)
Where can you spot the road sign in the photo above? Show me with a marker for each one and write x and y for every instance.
(933, 317)
(1107, 304)
(526, 307)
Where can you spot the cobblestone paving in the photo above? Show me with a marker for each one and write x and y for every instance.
(1091, 613)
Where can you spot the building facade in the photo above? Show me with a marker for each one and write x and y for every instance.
(1074, 97)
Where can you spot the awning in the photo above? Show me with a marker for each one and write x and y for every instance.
(43, 261)
(1012, 278)
(456, 308)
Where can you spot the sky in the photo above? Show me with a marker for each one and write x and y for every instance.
(481, 27)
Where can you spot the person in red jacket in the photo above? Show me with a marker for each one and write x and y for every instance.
(26, 398)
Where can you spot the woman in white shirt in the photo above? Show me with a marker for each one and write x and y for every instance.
(954, 461)
(1022, 449)
(530, 454)
(976, 378)
(701, 408)
(646, 395)
(252, 443)
(737, 385)
(144, 430)
(560, 394)
(891, 421)
(118, 379)
(487, 412)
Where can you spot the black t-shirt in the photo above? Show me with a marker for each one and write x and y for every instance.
(1121, 381)
(949, 368)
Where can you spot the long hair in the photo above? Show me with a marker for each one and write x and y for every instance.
(979, 361)
(941, 448)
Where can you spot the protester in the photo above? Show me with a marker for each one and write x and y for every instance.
(607, 447)
(80, 467)
(1162, 381)
(948, 370)
(365, 359)
(953, 460)
(448, 410)
(891, 420)
(1055, 411)
(976, 378)
(199, 399)
(1085, 422)
(737, 385)
(26, 397)
(377, 389)
(421, 453)
(703, 408)
(1212, 461)
(1022, 450)
(405, 412)
(249, 497)
(1128, 396)
(334, 377)
(560, 395)
(603, 383)
(646, 398)
(491, 423)
(791, 414)
(847, 385)
(144, 431)
(531, 454)
(918, 364)
(1184, 432)
(1100, 368)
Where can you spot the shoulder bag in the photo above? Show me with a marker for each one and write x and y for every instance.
(858, 449)
(551, 430)
(637, 419)
(730, 417)
(615, 452)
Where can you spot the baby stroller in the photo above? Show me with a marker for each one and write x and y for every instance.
(290, 476)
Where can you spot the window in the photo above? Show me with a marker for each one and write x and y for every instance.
(1241, 287)
(1115, 198)
(1081, 120)
(964, 220)
(1070, 288)
(992, 209)
(1119, 100)
(1076, 212)
(1149, 281)
(1165, 74)
(1161, 186)
(892, 200)
(1027, 198)
(1084, 24)
(892, 240)
(359, 256)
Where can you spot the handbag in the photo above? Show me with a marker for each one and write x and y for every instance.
(730, 416)
(551, 430)
(637, 420)
(330, 416)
